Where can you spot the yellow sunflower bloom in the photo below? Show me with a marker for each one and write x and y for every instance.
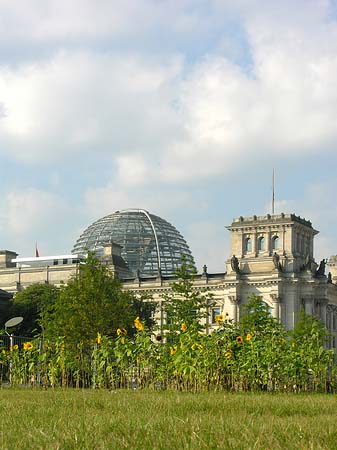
(138, 324)
(173, 350)
(183, 327)
(239, 340)
(28, 346)
(249, 337)
(99, 339)
(228, 355)
(119, 332)
(220, 318)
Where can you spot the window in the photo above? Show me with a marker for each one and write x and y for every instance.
(248, 245)
(215, 312)
(261, 244)
(276, 243)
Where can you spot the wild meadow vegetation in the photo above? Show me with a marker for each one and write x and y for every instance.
(89, 337)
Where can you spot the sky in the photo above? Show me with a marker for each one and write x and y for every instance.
(180, 107)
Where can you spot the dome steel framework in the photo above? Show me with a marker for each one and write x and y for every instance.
(149, 243)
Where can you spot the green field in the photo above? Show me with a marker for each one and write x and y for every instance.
(87, 419)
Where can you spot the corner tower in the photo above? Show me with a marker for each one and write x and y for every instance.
(282, 242)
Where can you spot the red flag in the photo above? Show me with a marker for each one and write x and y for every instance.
(37, 254)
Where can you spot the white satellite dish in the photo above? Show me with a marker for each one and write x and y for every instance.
(13, 322)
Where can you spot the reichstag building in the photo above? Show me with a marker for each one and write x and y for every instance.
(271, 256)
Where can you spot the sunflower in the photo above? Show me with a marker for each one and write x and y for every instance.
(248, 337)
(158, 338)
(220, 318)
(138, 324)
(77, 357)
(239, 340)
(183, 327)
(99, 339)
(28, 346)
(121, 331)
(228, 355)
(173, 350)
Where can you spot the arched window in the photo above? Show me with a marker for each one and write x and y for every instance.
(261, 243)
(248, 245)
(276, 242)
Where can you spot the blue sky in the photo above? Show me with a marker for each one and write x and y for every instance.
(179, 107)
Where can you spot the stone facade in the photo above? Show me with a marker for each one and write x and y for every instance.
(271, 256)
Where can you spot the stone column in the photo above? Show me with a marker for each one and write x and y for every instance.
(282, 241)
(308, 305)
(242, 245)
(323, 302)
(254, 242)
(235, 301)
(268, 247)
(276, 302)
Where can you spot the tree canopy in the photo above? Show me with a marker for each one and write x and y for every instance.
(32, 304)
(92, 302)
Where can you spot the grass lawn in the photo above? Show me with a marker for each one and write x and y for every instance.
(87, 419)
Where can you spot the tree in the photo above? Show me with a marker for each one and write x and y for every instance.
(92, 302)
(32, 304)
(255, 316)
(310, 329)
(184, 305)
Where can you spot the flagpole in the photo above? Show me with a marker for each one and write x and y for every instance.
(273, 199)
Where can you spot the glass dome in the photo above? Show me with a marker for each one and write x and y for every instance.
(148, 242)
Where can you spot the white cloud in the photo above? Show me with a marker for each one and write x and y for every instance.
(153, 197)
(31, 215)
(78, 103)
(178, 121)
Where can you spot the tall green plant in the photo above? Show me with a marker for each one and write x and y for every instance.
(185, 305)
